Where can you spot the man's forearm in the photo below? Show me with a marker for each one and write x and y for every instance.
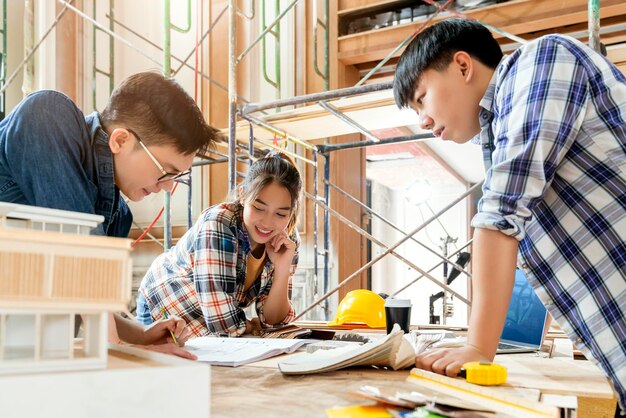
(493, 275)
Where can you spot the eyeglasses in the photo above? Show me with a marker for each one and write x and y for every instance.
(166, 176)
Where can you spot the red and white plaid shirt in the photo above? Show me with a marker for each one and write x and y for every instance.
(202, 278)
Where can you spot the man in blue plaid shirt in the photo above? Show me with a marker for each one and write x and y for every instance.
(551, 121)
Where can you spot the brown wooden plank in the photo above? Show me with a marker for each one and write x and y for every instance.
(617, 53)
(559, 376)
(350, 6)
(520, 17)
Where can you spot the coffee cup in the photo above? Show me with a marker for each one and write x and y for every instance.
(398, 311)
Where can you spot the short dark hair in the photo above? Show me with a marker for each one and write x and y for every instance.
(160, 110)
(434, 48)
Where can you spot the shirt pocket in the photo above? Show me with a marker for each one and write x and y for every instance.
(10, 192)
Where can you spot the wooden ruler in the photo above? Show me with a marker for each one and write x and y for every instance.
(493, 398)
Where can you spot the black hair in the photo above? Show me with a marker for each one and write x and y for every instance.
(162, 113)
(434, 49)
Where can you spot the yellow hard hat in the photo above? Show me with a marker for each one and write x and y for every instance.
(361, 306)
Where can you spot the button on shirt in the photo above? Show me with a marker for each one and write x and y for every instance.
(554, 145)
(202, 278)
(52, 156)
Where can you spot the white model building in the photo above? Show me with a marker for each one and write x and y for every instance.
(52, 270)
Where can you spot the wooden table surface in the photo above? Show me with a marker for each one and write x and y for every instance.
(264, 392)
(260, 389)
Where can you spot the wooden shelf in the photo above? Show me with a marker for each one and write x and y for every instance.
(347, 6)
(617, 54)
(519, 17)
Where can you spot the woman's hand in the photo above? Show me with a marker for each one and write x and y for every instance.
(169, 348)
(161, 332)
(280, 250)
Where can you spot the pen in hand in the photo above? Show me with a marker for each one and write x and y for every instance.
(171, 332)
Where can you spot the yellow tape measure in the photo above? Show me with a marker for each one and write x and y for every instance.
(483, 373)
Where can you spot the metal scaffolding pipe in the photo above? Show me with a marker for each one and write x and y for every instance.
(210, 162)
(167, 68)
(276, 34)
(279, 132)
(35, 48)
(287, 152)
(326, 229)
(388, 250)
(351, 122)
(315, 97)
(403, 43)
(593, 10)
(267, 29)
(389, 223)
(183, 63)
(110, 74)
(28, 77)
(431, 269)
(315, 225)
(106, 30)
(370, 237)
(360, 144)
(317, 22)
(250, 16)
(293, 155)
(3, 65)
(232, 94)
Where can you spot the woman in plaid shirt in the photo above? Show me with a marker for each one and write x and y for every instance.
(239, 252)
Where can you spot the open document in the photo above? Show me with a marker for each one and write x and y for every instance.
(392, 351)
(238, 351)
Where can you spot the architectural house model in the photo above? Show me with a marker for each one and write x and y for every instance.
(51, 273)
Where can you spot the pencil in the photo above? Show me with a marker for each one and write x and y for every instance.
(171, 332)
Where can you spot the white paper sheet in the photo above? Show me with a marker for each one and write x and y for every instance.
(238, 351)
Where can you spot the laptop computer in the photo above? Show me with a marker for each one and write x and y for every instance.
(526, 320)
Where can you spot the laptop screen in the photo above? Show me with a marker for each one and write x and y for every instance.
(526, 317)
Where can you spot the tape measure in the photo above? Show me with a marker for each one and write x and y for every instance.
(483, 373)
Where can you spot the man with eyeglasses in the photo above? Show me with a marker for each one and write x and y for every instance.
(52, 155)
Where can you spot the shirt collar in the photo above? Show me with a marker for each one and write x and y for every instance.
(243, 237)
(107, 201)
(486, 104)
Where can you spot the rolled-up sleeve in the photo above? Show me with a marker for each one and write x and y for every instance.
(538, 111)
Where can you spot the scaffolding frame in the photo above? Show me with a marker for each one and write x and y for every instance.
(318, 151)
(324, 151)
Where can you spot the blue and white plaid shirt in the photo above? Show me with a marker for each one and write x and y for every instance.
(553, 133)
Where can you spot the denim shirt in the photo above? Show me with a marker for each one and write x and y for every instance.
(52, 155)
